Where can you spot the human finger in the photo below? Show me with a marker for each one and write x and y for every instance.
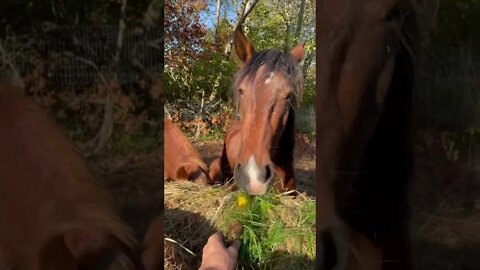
(234, 247)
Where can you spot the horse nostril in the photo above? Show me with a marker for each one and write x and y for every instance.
(268, 172)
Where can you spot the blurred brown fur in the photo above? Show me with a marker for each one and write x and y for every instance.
(53, 213)
(152, 255)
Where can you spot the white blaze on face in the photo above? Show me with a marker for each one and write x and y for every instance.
(255, 185)
(270, 77)
(252, 169)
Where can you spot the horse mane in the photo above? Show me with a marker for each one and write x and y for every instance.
(409, 36)
(271, 60)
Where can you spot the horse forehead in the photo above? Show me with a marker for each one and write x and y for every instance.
(267, 83)
(260, 81)
(269, 78)
(275, 81)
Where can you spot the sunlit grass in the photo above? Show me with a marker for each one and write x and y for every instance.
(259, 223)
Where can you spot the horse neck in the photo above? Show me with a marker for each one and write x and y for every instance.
(286, 144)
(386, 161)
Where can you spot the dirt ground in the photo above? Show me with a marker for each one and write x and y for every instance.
(446, 214)
(445, 200)
(136, 184)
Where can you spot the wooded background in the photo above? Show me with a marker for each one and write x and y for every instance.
(67, 55)
(200, 61)
(94, 65)
(447, 97)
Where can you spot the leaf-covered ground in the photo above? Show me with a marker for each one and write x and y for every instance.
(446, 214)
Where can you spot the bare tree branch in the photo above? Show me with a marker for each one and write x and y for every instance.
(89, 63)
(10, 51)
(106, 129)
(246, 13)
(241, 19)
(153, 14)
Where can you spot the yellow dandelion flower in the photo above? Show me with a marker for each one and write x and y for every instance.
(242, 200)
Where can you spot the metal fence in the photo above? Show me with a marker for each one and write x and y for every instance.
(81, 52)
(447, 96)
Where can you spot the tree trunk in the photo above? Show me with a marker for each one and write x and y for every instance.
(298, 29)
(248, 4)
(217, 18)
(121, 31)
(242, 14)
(241, 9)
(286, 41)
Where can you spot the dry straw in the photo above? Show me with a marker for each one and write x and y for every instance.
(277, 230)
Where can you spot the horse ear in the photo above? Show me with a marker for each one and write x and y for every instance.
(182, 173)
(187, 170)
(243, 47)
(192, 171)
(298, 52)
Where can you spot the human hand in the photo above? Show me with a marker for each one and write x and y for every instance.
(218, 257)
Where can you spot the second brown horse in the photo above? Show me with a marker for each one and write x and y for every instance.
(181, 160)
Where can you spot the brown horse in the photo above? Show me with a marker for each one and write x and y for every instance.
(266, 90)
(181, 160)
(53, 214)
(366, 52)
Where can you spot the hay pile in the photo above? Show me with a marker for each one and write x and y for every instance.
(277, 230)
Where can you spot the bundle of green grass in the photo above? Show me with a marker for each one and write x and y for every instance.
(277, 231)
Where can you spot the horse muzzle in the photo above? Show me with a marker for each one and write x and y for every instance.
(255, 179)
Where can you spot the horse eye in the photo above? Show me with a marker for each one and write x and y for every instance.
(240, 92)
(289, 101)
